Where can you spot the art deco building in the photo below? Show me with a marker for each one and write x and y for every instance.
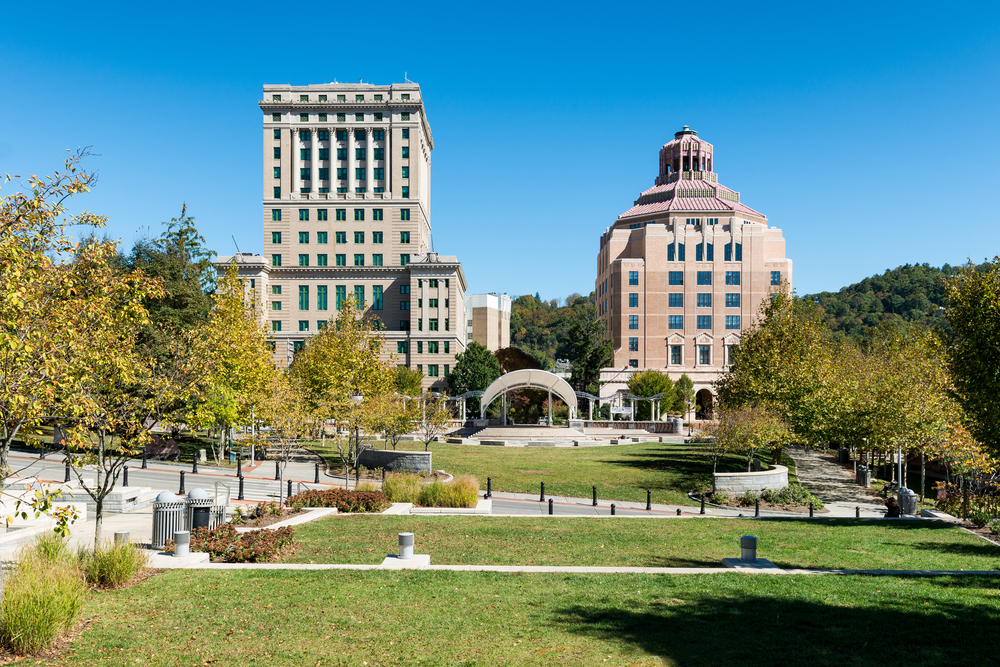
(684, 270)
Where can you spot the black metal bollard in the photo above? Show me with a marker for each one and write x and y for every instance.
(649, 500)
(612, 509)
(550, 506)
(67, 469)
(756, 507)
(143, 458)
(595, 495)
(489, 487)
(181, 491)
(239, 465)
(240, 496)
(194, 464)
(678, 511)
(317, 473)
(857, 512)
(41, 454)
(702, 503)
(541, 499)
(277, 470)
(810, 510)
(289, 488)
(125, 476)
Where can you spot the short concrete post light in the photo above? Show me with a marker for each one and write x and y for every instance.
(182, 543)
(406, 545)
(748, 549)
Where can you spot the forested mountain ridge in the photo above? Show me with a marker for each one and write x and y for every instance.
(541, 328)
(913, 293)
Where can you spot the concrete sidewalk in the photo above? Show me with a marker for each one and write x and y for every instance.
(834, 485)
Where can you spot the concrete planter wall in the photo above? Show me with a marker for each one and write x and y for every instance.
(395, 460)
(738, 483)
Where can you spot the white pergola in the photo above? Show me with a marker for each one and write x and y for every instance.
(529, 379)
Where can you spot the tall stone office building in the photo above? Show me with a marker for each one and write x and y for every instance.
(347, 212)
(683, 271)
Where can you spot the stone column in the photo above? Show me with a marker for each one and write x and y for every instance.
(294, 163)
(350, 161)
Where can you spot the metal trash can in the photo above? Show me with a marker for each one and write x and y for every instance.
(168, 517)
(907, 499)
(198, 512)
(844, 455)
(864, 476)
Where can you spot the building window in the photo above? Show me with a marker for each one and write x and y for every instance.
(276, 193)
(275, 305)
(633, 277)
(276, 289)
(705, 300)
(359, 117)
(277, 172)
(404, 305)
(704, 277)
(733, 300)
(303, 236)
(321, 237)
(675, 322)
(275, 237)
(401, 347)
(432, 282)
(446, 348)
(739, 252)
(732, 277)
(732, 321)
(299, 345)
(275, 260)
(377, 296)
(698, 252)
(276, 118)
(432, 370)
(276, 217)
(680, 252)
(420, 324)
(675, 354)
(404, 325)
(432, 347)
(404, 260)
(704, 321)
(341, 237)
(376, 237)
(341, 214)
(633, 300)
(633, 321)
(341, 296)
(404, 237)
(276, 325)
(406, 172)
(303, 297)
(305, 174)
(324, 174)
(359, 175)
(704, 354)
(633, 344)
(432, 324)
(404, 214)
(341, 260)
(775, 277)
(378, 135)
(376, 260)
(709, 252)
(359, 260)
(404, 289)
(633, 363)
(303, 260)
(359, 296)
(670, 252)
(303, 326)
(406, 192)
(675, 300)
(321, 302)
(727, 252)
(305, 153)
(675, 278)
(379, 152)
(321, 260)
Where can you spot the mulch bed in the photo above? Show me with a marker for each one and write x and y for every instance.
(985, 531)
(267, 519)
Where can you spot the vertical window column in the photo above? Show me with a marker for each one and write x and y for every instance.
(293, 157)
(350, 163)
(369, 160)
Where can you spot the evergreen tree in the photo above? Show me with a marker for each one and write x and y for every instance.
(474, 370)
(589, 349)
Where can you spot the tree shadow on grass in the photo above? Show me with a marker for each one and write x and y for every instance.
(974, 550)
(756, 629)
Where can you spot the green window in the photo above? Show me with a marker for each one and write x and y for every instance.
(275, 237)
(404, 214)
(303, 237)
(303, 326)
(341, 296)
(432, 347)
(303, 260)
(359, 214)
(341, 118)
(404, 289)
(320, 260)
(420, 324)
(275, 260)
(401, 347)
(303, 297)
(276, 325)
(406, 172)
(321, 297)
(376, 214)
(341, 214)
(446, 370)
(377, 296)
(276, 289)
(420, 347)
(376, 260)
(359, 296)
(432, 324)
(320, 324)
(341, 237)
(403, 260)
(359, 260)
(277, 172)
(321, 214)
(406, 192)
(275, 215)
(432, 282)
(406, 151)
(405, 115)
(433, 303)
(359, 117)
(406, 131)
(404, 237)
(276, 118)
(277, 193)
(341, 175)
(359, 237)
(446, 346)
(432, 370)
(376, 237)
(321, 237)
(341, 260)
(275, 305)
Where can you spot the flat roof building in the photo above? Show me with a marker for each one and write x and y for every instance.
(683, 271)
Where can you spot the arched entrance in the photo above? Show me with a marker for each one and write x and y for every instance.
(529, 378)
(704, 404)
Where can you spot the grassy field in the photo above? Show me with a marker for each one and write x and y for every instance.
(620, 472)
(828, 543)
(268, 618)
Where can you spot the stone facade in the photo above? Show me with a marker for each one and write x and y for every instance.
(738, 483)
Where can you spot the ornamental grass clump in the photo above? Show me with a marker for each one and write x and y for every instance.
(460, 492)
(402, 487)
(112, 564)
(42, 598)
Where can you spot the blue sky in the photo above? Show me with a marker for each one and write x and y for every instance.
(866, 131)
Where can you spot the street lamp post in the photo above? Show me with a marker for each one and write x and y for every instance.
(358, 399)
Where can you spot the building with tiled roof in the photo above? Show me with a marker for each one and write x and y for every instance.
(684, 270)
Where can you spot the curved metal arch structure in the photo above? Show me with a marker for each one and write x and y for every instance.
(530, 379)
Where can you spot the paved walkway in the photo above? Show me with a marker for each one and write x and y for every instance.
(833, 484)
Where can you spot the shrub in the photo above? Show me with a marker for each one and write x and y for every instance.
(112, 565)
(366, 486)
(460, 492)
(343, 500)
(402, 487)
(42, 598)
(980, 517)
(793, 494)
(52, 548)
(226, 544)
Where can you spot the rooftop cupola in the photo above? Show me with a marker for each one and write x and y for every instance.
(686, 156)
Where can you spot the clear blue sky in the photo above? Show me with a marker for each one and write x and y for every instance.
(866, 131)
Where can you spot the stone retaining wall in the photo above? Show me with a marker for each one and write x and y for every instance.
(738, 483)
(395, 460)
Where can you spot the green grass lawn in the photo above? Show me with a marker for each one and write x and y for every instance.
(620, 472)
(827, 543)
(270, 618)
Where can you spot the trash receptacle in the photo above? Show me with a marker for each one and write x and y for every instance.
(907, 499)
(864, 476)
(168, 517)
(199, 510)
(844, 455)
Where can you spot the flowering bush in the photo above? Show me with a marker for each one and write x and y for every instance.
(225, 544)
(343, 500)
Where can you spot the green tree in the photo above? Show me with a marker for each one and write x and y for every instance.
(474, 370)
(589, 349)
(647, 383)
(409, 381)
(434, 416)
(684, 391)
(974, 313)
